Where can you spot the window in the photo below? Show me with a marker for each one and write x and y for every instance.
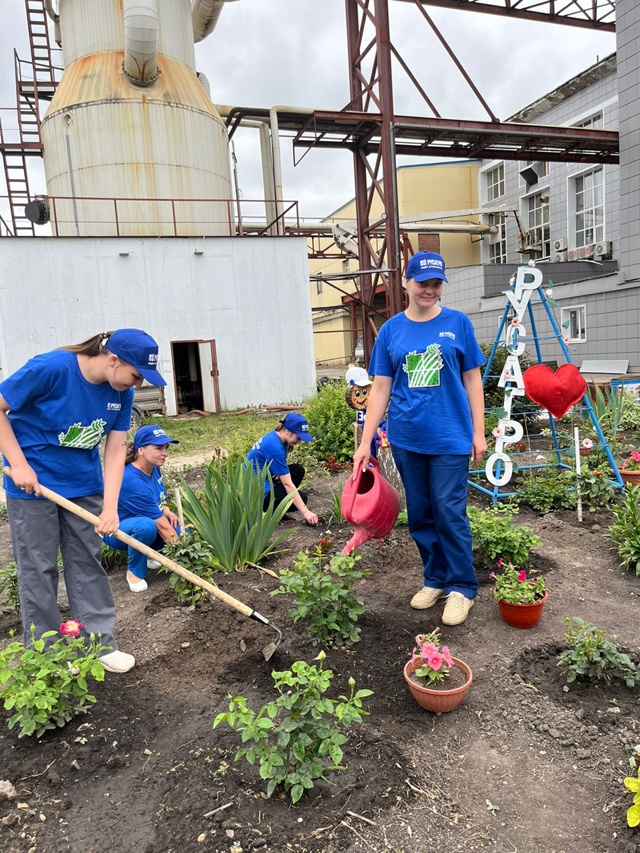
(495, 182)
(593, 122)
(498, 245)
(574, 323)
(589, 208)
(538, 222)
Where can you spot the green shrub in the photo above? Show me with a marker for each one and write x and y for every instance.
(630, 417)
(625, 530)
(495, 536)
(298, 737)
(47, 687)
(633, 812)
(548, 489)
(331, 423)
(593, 656)
(596, 489)
(113, 558)
(9, 588)
(322, 587)
(191, 553)
(526, 410)
(229, 517)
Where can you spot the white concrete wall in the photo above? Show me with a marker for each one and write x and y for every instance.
(250, 295)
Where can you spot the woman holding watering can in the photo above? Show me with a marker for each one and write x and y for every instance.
(426, 363)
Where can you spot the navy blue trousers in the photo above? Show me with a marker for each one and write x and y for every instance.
(436, 488)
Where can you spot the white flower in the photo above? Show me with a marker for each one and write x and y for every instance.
(587, 443)
(497, 432)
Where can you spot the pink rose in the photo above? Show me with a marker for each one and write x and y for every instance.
(71, 628)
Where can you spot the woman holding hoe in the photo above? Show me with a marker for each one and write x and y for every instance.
(426, 362)
(54, 411)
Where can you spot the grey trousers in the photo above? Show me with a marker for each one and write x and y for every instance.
(39, 528)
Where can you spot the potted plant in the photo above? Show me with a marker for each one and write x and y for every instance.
(520, 599)
(437, 681)
(630, 468)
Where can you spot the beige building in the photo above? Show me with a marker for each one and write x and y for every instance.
(429, 196)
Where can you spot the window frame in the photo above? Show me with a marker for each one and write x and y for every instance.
(565, 317)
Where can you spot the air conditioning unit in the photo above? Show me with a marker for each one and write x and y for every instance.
(574, 254)
(585, 252)
(604, 249)
(559, 257)
(560, 245)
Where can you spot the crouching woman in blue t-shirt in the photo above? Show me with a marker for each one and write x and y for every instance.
(141, 503)
(272, 450)
(54, 411)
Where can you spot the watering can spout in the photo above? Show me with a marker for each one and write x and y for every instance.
(360, 536)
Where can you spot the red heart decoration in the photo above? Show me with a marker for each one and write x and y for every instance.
(555, 392)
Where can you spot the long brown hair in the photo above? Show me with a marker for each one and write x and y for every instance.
(92, 346)
(132, 454)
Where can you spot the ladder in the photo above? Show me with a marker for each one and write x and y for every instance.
(36, 80)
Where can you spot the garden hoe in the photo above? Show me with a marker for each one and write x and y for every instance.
(169, 564)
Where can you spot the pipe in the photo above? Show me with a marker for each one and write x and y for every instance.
(141, 41)
(277, 168)
(204, 16)
(268, 178)
(204, 82)
(48, 7)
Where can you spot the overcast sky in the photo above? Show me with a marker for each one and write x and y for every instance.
(293, 52)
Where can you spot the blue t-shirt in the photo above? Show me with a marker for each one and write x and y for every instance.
(59, 418)
(141, 494)
(269, 449)
(429, 409)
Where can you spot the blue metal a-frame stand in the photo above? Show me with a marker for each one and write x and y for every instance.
(494, 490)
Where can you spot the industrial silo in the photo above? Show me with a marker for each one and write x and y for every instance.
(132, 143)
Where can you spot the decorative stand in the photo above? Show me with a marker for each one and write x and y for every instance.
(526, 283)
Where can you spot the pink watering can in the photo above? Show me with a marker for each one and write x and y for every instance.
(371, 504)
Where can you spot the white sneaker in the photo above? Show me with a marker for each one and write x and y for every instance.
(456, 609)
(118, 662)
(138, 586)
(427, 597)
(153, 564)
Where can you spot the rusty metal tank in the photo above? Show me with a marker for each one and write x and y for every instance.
(132, 142)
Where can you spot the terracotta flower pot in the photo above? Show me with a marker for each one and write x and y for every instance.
(522, 615)
(631, 478)
(435, 700)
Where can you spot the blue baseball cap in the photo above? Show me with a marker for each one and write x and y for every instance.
(297, 424)
(139, 350)
(425, 265)
(151, 434)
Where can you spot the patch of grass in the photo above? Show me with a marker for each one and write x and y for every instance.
(236, 433)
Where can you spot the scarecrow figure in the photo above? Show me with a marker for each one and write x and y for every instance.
(357, 395)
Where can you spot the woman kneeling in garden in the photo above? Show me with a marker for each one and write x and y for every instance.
(272, 450)
(140, 505)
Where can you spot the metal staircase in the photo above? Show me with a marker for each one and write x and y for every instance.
(36, 81)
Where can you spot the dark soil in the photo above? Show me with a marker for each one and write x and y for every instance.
(525, 764)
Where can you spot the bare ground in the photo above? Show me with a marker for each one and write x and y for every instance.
(524, 765)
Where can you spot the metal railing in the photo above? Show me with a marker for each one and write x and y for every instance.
(100, 216)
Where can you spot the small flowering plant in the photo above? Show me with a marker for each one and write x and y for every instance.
(632, 462)
(45, 682)
(434, 659)
(513, 585)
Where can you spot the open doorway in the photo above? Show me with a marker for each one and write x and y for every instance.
(195, 370)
